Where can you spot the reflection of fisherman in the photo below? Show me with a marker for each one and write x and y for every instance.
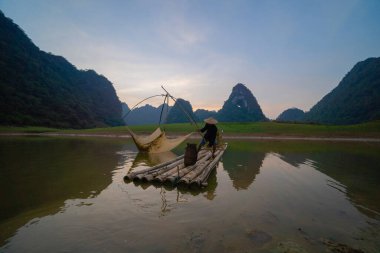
(210, 135)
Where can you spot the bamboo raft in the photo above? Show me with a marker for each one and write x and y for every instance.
(174, 171)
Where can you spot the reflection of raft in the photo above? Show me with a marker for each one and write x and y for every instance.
(175, 172)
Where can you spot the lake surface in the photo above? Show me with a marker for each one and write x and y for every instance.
(68, 195)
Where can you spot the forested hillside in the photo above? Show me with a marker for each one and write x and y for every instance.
(202, 114)
(147, 114)
(356, 99)
(181, 112)
(292, 115)
(38, 88)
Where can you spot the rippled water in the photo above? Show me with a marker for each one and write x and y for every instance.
(68, 195)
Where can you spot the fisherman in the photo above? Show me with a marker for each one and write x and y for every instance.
(210, 135)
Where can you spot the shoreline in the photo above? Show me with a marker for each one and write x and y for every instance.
(265, 137)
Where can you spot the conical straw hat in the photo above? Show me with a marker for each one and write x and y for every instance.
(211, 121)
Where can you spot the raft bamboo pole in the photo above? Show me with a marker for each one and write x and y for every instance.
(173, 178)
(132, 175)
(202, 179)
(151, 176)
(148, 176)
(196, 172)
(175, 171)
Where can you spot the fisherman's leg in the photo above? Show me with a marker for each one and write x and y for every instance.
(203, 142)
(213, 145)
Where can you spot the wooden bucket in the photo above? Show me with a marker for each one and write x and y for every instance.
(191, 154)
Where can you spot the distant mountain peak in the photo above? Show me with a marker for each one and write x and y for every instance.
(241, 106)
(239, 86)
(147, 114)
(241, 95)
(177, 114)
(202, 114)
(292, 115)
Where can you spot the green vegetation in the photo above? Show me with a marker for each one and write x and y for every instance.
(27, 129)
(176, 113)
(274, 128)
(356, 99)
(41, 89)
(291, 115)
(370, 129)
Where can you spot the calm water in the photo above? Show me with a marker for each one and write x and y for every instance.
(68, 195)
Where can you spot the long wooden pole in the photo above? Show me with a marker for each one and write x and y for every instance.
(192, 121)
(132, 175)
(149, 176)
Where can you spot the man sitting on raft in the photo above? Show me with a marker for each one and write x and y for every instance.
(210, 135)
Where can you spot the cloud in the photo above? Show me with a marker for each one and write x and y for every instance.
(199, 51)
(177, 29)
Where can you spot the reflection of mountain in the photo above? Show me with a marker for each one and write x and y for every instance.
(42, 173)
(340, 161)
(242, 166)
(295, 159)
(211, 187)
(361, 181)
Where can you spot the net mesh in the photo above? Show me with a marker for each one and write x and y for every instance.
(157, 142)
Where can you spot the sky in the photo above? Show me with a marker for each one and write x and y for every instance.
(288, 53)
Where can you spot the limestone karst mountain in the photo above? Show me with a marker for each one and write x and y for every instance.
(241, 106)
(50, 91)
(202, 114)
(147, 114)
(356, 99)
(177, 114)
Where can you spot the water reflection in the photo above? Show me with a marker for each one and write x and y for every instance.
(264, 196)
(42, 173)
(294, 159)
(355, 173)
(354, 170)
(243, 166)
(149, 159)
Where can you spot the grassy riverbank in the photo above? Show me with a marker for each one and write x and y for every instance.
(370, 129)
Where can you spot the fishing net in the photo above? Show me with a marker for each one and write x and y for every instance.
(157, 142)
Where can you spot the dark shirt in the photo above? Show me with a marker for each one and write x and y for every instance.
(211, 132)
